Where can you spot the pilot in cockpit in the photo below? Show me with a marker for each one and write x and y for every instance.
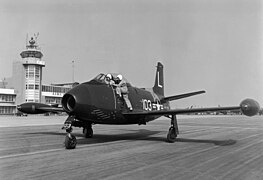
(109, 79)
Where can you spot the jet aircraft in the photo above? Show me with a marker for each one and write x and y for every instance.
(96, 102)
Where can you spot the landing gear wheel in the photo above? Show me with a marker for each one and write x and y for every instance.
(70, 141)
(88, 132)
(171, 136)
(173, 131)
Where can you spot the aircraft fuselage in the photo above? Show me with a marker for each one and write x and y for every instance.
(99, 103)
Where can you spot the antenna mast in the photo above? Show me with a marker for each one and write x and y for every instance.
(73, 80)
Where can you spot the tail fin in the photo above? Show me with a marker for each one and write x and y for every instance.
(158, 87)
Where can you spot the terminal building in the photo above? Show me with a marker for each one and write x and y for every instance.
(7, 101)
(26, 83)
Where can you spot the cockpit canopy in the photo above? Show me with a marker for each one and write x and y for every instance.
(101, 78)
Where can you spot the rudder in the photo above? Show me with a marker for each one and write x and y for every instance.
(158, 87)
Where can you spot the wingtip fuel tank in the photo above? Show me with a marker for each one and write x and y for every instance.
(32, 108)
(249, 107)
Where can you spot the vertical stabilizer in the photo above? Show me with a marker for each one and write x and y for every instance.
(158, 87)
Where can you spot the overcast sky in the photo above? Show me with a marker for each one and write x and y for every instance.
(212, 45)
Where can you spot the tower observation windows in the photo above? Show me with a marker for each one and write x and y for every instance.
(30, 71)
(37, 71)
(31, 86)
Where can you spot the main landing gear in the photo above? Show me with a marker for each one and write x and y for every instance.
(87, 131)
(173, 130)
(70, 139)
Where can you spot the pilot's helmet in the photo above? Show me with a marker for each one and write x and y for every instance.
(119, 77)
(108, 77)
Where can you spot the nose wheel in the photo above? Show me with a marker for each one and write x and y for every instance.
(173, 130)
(70, 141)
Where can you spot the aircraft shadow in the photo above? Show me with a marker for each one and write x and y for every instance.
(102, 138)
(228, 142)
(142, 134)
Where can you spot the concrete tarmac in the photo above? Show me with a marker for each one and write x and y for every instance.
(219, 147)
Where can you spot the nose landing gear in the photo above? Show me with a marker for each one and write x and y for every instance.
(70, 139)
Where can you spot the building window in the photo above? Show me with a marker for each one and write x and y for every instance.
(37, 71)
(31, 70)
(31, 86)
(7, 110)
(37, 86)
(7, 98)
(31, 74)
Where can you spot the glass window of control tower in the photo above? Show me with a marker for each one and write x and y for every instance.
(31, 86)
(31, 71)
(37, 72)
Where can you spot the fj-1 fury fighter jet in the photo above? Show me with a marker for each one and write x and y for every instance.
(97, 102)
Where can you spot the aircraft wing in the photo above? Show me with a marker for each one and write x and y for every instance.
(183, 111)
(249, 107)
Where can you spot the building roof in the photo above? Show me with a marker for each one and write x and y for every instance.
(7, 91)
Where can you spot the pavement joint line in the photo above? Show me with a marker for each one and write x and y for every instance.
(245, 147)
(231, 152)
(240, 165)
(160, 163)
(29, 125)
(167, 160)
(58, 149)
(222, 127)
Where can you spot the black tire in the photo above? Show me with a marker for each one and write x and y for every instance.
(171, 136)
(70, 141)
(88, 132)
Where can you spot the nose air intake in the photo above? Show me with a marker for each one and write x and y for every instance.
(68, 102)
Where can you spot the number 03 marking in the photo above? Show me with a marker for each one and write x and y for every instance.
(146, 105)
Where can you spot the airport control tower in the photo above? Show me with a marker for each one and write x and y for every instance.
(32, 67)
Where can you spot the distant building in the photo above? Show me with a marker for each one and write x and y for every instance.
(7, 101)
(26, 83)
(53, 94)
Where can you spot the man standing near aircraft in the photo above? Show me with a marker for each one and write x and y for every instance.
(122, 90)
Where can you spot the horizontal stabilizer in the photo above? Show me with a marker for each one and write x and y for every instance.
(171, 98)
